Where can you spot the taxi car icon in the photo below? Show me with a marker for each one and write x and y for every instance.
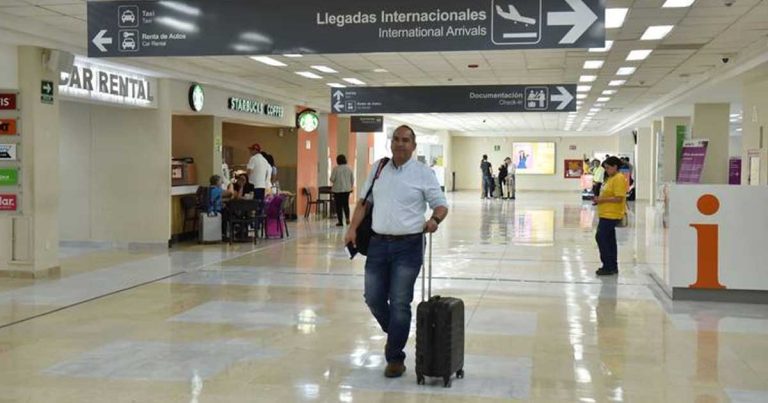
(128, 43)
(128, 16)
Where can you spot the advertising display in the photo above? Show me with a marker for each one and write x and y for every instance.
(367, 124)
(574, 169)
(8, 202)
(8, 127)
(9, 176)
(534, 158)
(8, 152)
(734, 171)
(692, 161)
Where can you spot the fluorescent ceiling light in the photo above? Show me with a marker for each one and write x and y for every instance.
(598, 105)
(626, 71)
(587, 79)
(354, 81)
(583, 88)
(735, 115)
(268, 60)
(639, 54)
(293, 55)
(579, 103)
(593, 64)
(324, 69)
(616, 83)
(614, 17)
(308, 74)
(381, 71)
(609, 92)
(656, 32)
(581, 96)
(608, 46)
(677, 3)
(603, 99)
(595, 109)
(336, 85)
(739, 129)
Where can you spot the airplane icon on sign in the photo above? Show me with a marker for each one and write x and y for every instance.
(514, 15)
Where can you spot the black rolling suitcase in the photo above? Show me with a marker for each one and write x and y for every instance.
(439, 334)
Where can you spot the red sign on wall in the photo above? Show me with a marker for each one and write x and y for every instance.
(7, 202)
(7, 127)
(7, 102)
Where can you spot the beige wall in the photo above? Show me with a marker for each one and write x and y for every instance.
(240, 137)
(193, 136)
(115, 174)
(466, 153)
(711, 122)
(755, 120)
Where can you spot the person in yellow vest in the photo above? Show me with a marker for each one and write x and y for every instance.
(611, 207)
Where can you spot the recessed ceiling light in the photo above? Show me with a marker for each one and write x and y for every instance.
(583, 88)
(639, 54)
(598, 105)
(603, 99)
(626, 71)
(268, 60)
(381, 71)
(308, 74)
(608, 46)
(739, 129)
(593, 64)
(677, 3)
(616, 83)
(587, 79)
(594, 110)
(614, 17)
(324, 69)
(336, 85)
(656, 32)
(581, 96)
(293, 55)
(609, 92)
(354, 81)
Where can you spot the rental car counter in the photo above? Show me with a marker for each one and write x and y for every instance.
(717, 244)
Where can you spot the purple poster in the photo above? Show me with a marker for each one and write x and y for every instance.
(692, 161)
(734, 171)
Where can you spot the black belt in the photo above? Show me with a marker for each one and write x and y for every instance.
(395, 237)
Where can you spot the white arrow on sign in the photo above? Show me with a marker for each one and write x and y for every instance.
(338, 106)
(48, 89)
(564, 98)
(338, 95)
(581, 18)
(99, 40)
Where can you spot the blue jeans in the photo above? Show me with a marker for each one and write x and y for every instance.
(391, 271)
(606, 242)
(488, 186)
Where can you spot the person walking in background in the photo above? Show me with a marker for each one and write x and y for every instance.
(598, 176)
(503, 172)
(611, 207)
(343, 180)
(511, 170)
(487, 177)
(259, 171)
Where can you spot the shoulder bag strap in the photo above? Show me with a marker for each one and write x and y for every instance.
(382, 164)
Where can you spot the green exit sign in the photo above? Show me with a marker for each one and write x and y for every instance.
(9, 176)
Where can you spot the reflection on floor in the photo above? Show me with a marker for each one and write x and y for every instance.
(285, 320)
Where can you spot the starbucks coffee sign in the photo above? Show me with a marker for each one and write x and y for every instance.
(256, 107)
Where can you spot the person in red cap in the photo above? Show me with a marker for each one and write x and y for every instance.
(259, 171)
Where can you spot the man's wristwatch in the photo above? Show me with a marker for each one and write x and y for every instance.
(436, 219)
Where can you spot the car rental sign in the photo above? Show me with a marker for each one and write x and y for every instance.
(249, 27)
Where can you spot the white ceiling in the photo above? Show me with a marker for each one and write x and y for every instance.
(680, 63)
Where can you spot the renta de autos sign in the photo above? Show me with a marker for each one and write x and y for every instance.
(251, 27)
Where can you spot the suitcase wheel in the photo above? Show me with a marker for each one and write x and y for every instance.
(420, 379)
(460, 374)
(447, 381)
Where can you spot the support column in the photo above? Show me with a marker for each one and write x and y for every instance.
(653, 161)
(644, 164)
(711, 122)
(33, 250)
(674, 130)
(322, 151)
(755, 127)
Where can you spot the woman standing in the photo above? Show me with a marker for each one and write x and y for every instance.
(611, 207)
(343, 181)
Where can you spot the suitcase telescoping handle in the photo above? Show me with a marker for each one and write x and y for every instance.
(424, 275)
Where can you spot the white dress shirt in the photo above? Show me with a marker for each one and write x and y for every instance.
(261, 171)
(401, 195)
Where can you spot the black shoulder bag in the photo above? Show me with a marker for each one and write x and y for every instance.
(365, 230)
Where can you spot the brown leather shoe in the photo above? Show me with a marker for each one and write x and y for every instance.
(394, 370)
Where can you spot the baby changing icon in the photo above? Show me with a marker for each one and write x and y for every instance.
(516, 21)
(536, 98)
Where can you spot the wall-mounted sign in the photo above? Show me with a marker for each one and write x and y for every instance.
(93, 81)
(255, 107)
(9, 176)
(367, 124)
(308, 120)
(248, 27)
(196, 97)
(8, 202)
(8, 152)
(46, 92)
(7, 101)
(489, 98)
(7, 127)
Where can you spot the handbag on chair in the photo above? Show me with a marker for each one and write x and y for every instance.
(365, 230)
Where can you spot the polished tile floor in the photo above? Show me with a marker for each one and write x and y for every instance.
(284, 321)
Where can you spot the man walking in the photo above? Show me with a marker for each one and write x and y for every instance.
(259, 171)
(511, 170)
(401, 194)
(485, 171)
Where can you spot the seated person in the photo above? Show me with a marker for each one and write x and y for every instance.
(241, 187)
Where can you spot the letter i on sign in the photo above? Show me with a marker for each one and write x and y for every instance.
(707, 245)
